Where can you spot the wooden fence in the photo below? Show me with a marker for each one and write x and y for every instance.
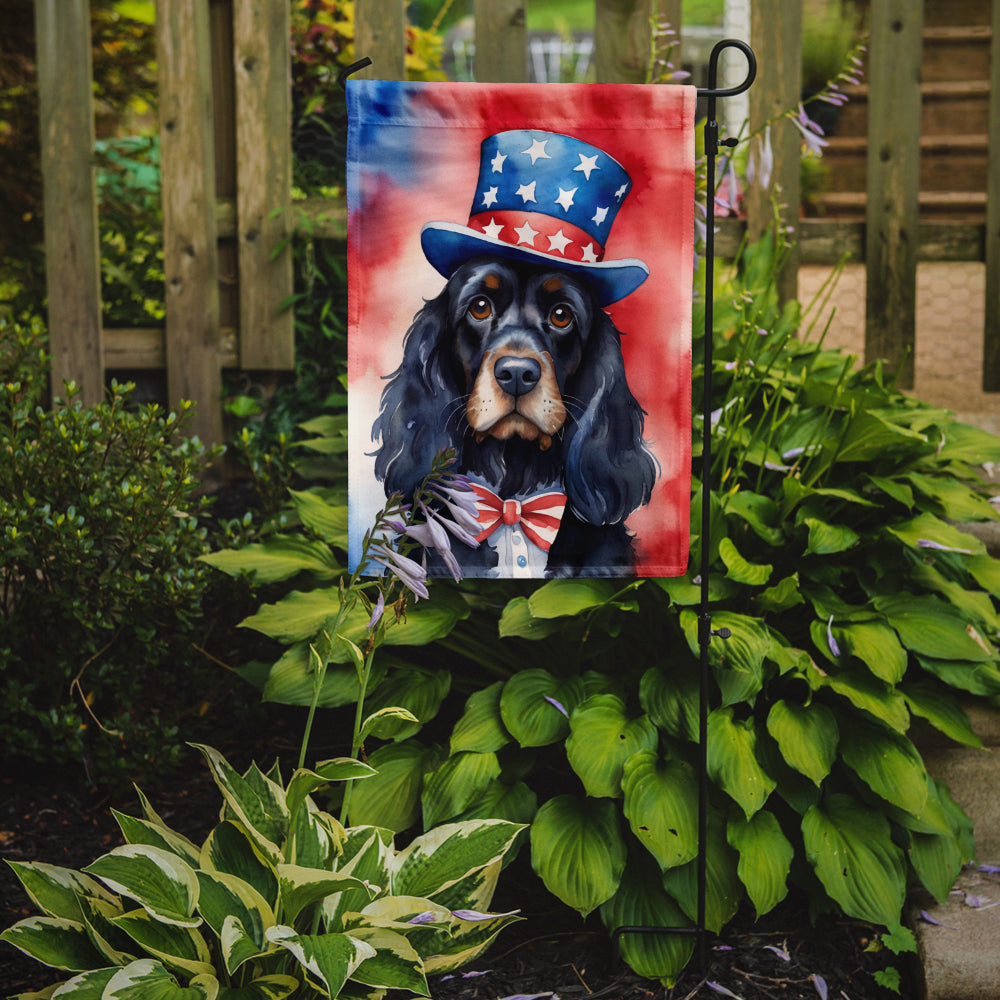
(226, 161)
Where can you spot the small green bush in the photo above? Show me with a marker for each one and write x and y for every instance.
(99, 578)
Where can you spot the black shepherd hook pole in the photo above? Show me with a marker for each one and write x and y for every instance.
(705, 632)
(352, 68)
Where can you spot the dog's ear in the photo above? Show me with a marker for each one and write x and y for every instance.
(609, 472)
(412, 422)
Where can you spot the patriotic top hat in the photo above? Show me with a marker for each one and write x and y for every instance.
(545, 198)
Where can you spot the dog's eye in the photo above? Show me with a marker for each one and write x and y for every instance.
(560, 317)
(481, 308)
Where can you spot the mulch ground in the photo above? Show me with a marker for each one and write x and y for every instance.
(551, 952)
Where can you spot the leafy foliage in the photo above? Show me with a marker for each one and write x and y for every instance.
(101, 587)
(280, 899)
(854, 602)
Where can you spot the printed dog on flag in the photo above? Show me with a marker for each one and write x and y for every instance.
(517, 366)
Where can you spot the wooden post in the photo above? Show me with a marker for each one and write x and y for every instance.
(72, 255)
(893, 183)
(380, 34)
(622, 40)
(991, 333)
(501, 41)
(776, 34)
(190, 254)
(262, 61)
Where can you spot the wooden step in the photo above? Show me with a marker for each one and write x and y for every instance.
(947, 162)
(956, 53)
(957, 206)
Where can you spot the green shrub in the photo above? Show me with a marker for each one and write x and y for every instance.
(855, 604)
(101, 587)
(279, 900)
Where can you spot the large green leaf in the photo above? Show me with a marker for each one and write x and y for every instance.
(327, 520)
(828, 539)
(932, 628)
(732, 760)
(164, 885)
(56, 891)
(640, 901)
(560, 598)
(958, 502)
(144, 831)
(516, 803)
(416, 689)
(738, 661)
(602, 737)
(481, 728)
(851, 850)
(876, 646)
(870, 436)
(304, 782)
(888, 763)
(225, 897)
(55, 941)
(866, 692)
(440, 858)
(230, 849)
(976, 678)
(578, 851)
(292, 680)
(516, 620)
(758, 511)
(671, 699)
(456, 784)
(765, 858)
(661, 806)
(330, 959)
(147, 979)
(807, 736)
(395, 964)
(941, 709)
(391, 798)
(926, 528)
(535, 706)
(279, 558)
(301, 887)
(739, 569)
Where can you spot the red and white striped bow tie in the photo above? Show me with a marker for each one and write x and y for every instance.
(539, 516)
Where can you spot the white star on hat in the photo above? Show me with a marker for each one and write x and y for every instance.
(497, 162)
(600, 215)
(527, 192)
(586, 164)
(621, 191)
(589, 257)
(565, 198)
(490, 197)
(494, 229)
(559, 242)
(526, 234)
(537, 150)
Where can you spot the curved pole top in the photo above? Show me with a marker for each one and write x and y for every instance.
(713, 69)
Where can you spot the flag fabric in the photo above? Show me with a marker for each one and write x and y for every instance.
(520, 261)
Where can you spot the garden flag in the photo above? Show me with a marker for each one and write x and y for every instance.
(520, 271)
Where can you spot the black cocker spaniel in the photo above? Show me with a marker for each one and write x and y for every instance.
(518, 367)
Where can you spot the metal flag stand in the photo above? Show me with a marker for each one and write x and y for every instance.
(705, 631)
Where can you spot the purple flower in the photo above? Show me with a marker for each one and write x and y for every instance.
(834, 648)
(820, 983)
(780, 952)
(811, 132)
(558, 705)
(475, 915)
(377, 612)
(761, 162)
(427, 917)
(410, 573)
(927, 543)
(719, 988)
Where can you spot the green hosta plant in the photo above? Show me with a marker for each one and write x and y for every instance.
(280, 899)
(855, 602)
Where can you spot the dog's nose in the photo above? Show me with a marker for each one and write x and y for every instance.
(517, 376)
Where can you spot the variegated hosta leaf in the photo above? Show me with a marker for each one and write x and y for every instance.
(456, 784)
(765, 858)
(850, 847)
(86, 986)
(147, 979)
(177, 947)
(642, 902)
(98, 915)
(315, 838)
(732, 760)
(807, 736)
(395, 964)
(481, 727)
(56, 891)
(602, 737)
(578, 851)
(476, 890)
(300, 887)
(256, 801)
(54, 941)
(230, 849)
(888, 763)
(158, 880)
(367, 853)
(274, 987)
(441, 857)
(661, 805)
(225, 897)
(304, 782)
(535, 706)
(141, 831)
(466, 941)
(723, 889)
(329, 959)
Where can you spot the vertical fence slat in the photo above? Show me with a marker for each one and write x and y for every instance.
(991, 332)
(501, 41)
(261, 57)
(190, 253)
(621, 40)
(380, 34)
(72, 257)
(776, 34)
(892, 214)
